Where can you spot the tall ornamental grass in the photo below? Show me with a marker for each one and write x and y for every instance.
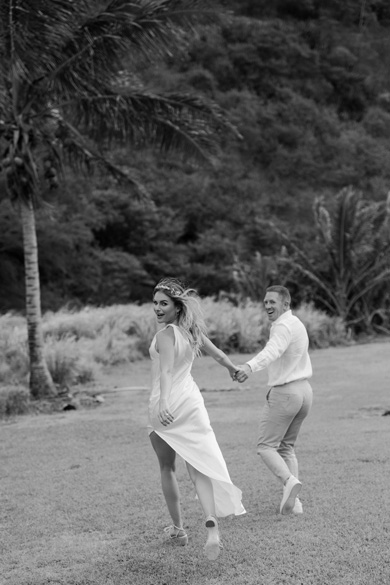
(233, 328)
(322, 329)
(245, 328)
(68, 363)
(13, 400)
(14, 361)
(79, 343)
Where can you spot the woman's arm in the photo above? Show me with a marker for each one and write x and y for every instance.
(166, 350)
(219, 356)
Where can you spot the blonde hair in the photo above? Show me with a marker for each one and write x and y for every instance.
(190, 313)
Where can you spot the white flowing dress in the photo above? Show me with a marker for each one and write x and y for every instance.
(190, 434)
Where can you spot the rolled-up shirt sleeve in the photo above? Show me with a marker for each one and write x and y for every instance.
(275, 347)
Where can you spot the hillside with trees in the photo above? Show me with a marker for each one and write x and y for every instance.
(307, 87)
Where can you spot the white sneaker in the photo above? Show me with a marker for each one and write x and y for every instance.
(298, 508)
(290, 492)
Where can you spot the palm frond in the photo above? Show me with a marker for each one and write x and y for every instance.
(5, 104)
(26, 32)
(383, 276)
(369, 271)
(343, 220)
(84, 157)
(125, 29)
(330, 301)
(75, 83)
(323, 220)
(300, 256)
(145, 26)
(351, 241)
(169, 121)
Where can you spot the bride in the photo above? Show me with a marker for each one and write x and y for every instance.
(178, 420)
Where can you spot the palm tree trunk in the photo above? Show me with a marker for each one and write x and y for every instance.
(41, 383)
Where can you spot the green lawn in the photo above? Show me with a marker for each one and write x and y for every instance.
(81, 501)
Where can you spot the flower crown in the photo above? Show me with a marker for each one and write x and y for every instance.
(172, 291)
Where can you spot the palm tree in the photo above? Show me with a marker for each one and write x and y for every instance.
(252, 277)
(351, 260)
(66, 87)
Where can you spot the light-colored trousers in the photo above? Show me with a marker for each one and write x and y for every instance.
(285, 409)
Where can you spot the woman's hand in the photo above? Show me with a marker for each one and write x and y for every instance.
(164, 414)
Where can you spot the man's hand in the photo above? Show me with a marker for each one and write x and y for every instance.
(242, 373)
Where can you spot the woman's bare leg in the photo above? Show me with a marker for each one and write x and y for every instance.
(204, 489)
(166, 458)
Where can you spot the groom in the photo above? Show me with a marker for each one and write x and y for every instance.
(289, 398)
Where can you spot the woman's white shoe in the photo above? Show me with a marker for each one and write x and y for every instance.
(213, 545)
(298, 508)
(176, 535)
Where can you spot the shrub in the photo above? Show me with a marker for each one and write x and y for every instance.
(67, 362)
(253, 327)
(113, 347)
(322, 329)
(245, 329)
(144, 330)
(65, 323)
(14, 400)
(232, 328)
(110, 335)
(78, 343)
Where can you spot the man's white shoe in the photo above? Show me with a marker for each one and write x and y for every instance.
(298, 508)
(290, 492)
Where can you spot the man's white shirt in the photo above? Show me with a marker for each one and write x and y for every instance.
(286, 353)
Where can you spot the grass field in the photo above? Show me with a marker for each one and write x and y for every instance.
(81, 502)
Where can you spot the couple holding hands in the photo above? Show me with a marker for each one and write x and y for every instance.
(178, 420)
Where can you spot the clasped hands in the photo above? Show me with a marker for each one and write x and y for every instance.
(241, 373)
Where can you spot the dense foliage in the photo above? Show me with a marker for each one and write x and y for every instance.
(307, 85)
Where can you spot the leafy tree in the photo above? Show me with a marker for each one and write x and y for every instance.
(67, 92)
(351, 262)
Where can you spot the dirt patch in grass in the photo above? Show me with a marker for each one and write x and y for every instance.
(82, 504)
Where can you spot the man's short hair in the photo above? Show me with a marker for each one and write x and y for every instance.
(282, 291)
